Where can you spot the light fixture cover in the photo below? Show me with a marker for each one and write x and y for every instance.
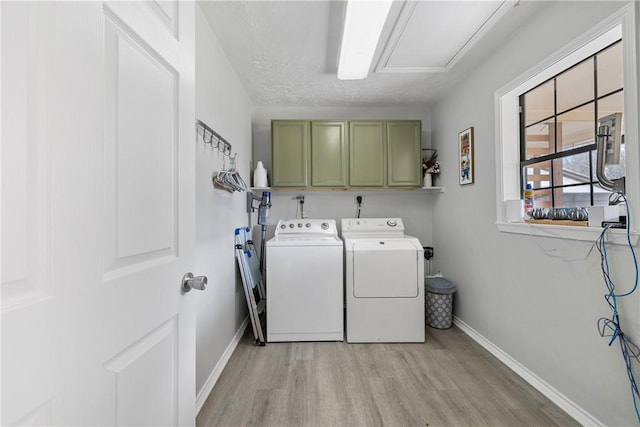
(363, 25)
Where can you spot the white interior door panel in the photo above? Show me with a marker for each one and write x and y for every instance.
(98, 213)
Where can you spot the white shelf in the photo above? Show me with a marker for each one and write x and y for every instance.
(433, 189)
(348, 189)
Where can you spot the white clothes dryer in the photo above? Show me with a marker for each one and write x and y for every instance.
(384, 281)
(304, 278)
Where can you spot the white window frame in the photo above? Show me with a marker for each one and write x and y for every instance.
(621, 24)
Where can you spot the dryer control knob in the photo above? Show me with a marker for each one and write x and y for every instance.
(391, 223)
(299, 225)
(308, 225)
(283, 226)
(291, 225)
(325, 226)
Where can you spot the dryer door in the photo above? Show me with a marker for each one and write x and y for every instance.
(384, 268)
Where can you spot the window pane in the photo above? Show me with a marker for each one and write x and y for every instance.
(575, 86)
(562, 176)
(538, 103)
(539, 141)
(576, 127)
(612, 104)
(573, 169)
(538, 175)
(570, 197)
(610, 69)
(568, 173)
(542, 198)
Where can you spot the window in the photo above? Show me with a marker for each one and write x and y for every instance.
(566, 168)
(558, 127)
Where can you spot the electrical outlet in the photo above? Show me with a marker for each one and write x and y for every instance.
(428, 252)
(359, 199)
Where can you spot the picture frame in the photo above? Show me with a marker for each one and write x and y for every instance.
(465, 157)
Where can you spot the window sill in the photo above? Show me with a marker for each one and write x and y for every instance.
(568, 232)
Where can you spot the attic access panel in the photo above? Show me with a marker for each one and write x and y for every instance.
(431, 36)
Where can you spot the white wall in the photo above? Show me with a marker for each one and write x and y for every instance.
(223, 104)
(538, 299)
(414, 207)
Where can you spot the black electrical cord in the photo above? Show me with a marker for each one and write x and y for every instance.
(359, 202)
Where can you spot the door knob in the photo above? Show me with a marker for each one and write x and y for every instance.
(189, 282)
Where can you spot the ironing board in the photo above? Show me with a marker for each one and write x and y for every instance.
(254, 289)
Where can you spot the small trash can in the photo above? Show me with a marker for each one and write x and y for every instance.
(438, 302)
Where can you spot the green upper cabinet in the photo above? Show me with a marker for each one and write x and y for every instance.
(323, 153)
(328, 154)
(290, 153)
(366, 154)
(403, 153)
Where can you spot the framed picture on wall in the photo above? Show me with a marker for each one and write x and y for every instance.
(465, 153)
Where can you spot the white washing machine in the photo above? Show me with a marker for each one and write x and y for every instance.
(384, 281)
(304, 277)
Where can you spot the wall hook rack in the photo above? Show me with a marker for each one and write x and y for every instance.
(214, 138)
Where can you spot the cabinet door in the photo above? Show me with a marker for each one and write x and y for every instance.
(328, 154)
(366, 154)
(290, 153)
(403, 151)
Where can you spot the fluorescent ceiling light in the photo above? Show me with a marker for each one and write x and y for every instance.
(362, 27)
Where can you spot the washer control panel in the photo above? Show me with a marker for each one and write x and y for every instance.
(303, 227)
(372, 226)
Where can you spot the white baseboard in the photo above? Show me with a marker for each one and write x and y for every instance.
(206, 389)
(567, 405)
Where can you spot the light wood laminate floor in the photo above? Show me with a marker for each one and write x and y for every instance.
(449, 380)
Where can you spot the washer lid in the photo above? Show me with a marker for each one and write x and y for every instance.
(381, 243)
(310, 240)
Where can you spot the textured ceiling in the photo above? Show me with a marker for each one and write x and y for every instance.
(285, 52)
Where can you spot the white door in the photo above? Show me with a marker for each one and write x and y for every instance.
(97, 213)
